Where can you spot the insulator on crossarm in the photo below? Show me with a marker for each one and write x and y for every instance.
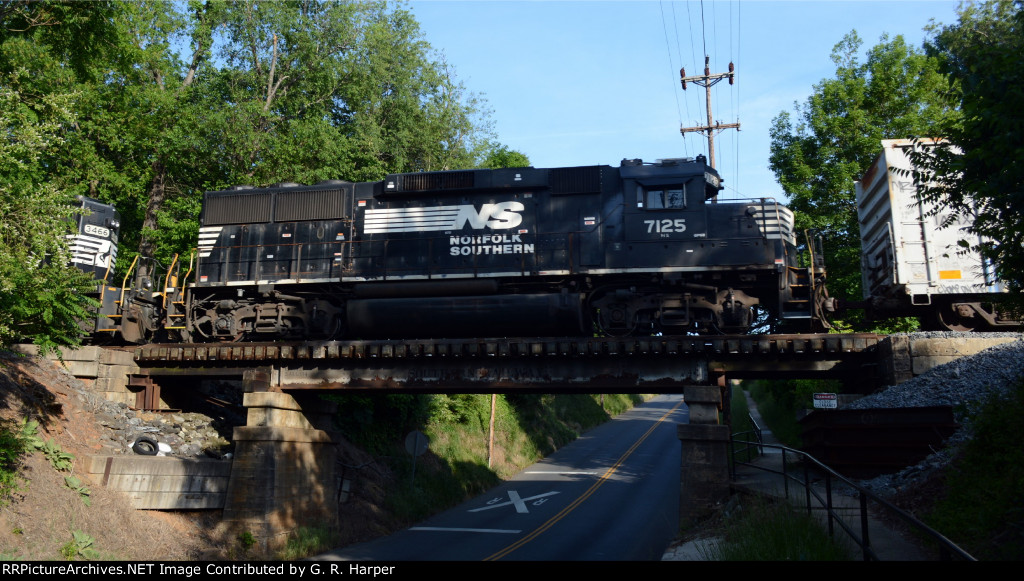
(682, 77)
(731, 77)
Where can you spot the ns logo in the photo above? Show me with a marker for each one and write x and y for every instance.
(499, 216)
(496, 216)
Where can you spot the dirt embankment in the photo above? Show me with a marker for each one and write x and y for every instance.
(40, 519)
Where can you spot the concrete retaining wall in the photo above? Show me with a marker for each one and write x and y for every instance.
(903, 357)
(106, 371)
(164, 483)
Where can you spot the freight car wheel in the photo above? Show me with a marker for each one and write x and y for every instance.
(950, 317)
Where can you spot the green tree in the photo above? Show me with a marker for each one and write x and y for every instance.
(818, 153)
(176, 98)
(116, 58)
(332, 90)
(162, 100)
(981, 177)
(41, 297)
(43, 46)
(499, 156)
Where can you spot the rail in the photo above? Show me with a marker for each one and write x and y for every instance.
(719, 347)
(803, 470)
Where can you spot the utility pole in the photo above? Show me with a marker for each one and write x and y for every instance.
(707, 80)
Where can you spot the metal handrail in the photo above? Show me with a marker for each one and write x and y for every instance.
(947, 549)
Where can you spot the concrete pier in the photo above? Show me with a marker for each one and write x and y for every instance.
(704, 474)
(283, 475)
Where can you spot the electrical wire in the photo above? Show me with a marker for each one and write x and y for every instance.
(668, 49)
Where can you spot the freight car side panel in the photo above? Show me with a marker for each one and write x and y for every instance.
(905, 249)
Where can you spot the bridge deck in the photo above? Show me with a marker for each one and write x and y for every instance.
(719, 346)
(610, 365)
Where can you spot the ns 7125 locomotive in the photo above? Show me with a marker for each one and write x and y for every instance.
(639, 249)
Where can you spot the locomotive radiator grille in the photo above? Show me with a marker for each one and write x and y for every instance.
(237, 209)
(575, 180)
(310, 205)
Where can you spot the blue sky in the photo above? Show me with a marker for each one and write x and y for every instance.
(593, 82)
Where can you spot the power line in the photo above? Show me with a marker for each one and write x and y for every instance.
(668, 49)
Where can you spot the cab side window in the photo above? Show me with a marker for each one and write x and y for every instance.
(666, 199)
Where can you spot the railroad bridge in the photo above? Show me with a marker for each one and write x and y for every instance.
(282, 474)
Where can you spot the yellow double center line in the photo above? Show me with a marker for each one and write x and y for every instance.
(590, 491)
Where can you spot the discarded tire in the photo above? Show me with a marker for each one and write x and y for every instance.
(145, 447)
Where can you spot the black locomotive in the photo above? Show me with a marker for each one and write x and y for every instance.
(640, 249)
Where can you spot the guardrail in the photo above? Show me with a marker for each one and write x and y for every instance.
(802, 470)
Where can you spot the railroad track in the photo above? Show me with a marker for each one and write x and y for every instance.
(719, 346)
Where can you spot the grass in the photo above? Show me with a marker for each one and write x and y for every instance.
(461, 461)
(779, 401)
(308, 541)
(12, 448)
(760, 530)
(755, 529)
(980, 503)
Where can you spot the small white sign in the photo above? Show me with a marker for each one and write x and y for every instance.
(825, 400)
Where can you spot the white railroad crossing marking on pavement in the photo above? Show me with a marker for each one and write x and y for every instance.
(514, 499)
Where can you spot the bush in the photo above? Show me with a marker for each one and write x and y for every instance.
(12, 448)
(983, 508)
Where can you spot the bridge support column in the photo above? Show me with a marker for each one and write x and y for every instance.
(705, 455)
(283, 476)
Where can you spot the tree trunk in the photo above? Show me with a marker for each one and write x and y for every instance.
(157, 194)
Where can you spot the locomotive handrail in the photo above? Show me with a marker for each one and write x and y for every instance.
(167, 279)
(191, 266)
(124, 283)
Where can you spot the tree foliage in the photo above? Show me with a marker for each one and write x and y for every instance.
(501, 156)
(162, 100)
(981, 176)
(41, 297)
(819, 151)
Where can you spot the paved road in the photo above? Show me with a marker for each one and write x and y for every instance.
(613, 494)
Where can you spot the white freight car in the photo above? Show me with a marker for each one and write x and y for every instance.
(910, 264)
